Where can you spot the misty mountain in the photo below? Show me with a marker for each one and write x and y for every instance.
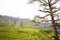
(14, 18)
(23, 21)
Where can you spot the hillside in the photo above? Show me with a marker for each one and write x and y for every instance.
(14, 18)
(9, 33)
(25, 22)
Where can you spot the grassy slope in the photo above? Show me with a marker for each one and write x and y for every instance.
(8, 33)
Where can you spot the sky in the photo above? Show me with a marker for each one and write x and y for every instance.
(19, 8)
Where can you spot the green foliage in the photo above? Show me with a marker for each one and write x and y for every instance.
(33, 21)
(11, 33)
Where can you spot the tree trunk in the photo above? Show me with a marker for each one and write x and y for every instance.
(54, 28)
(53, 23)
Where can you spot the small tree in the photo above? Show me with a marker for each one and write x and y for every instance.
(51, 10)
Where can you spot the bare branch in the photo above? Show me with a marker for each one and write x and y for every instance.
(49, 14)
(31, 1)
(42, 2)
(45, 1)
(44, 11)
(46, 15)
(55, 1)
(51, 20)
(50, 1)
(54, 7)
(56, 10)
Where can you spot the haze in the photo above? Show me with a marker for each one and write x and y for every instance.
(18, 8)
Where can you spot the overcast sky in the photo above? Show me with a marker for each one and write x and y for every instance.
(19, 8)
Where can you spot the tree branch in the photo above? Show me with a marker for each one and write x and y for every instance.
(45, 1)
(55, 1)
(56, 10)
(44, 11)
(50, 1)
(51, 20)
(46, 15)
(42, 2)
(31, 1)
(54, 7)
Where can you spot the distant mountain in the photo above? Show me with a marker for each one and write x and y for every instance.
(27, 21)
(14, 18)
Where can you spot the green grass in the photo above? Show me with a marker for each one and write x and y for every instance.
(11, 33)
